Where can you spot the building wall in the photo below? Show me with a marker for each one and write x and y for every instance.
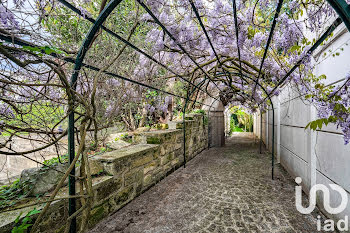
(317, 157)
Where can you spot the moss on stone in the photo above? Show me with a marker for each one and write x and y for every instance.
(123, 195)
(153, 140)
(129, 178)
(107, 187)
(171, 156)
(97, 214)
(161, 126)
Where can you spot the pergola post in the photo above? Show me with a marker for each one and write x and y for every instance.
(267, 129)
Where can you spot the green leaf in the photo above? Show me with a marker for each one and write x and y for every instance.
(319, 123)
(295, 48)
(308, 125)
(26, 219)
(325, 121)
(314, 125)
(17, 219)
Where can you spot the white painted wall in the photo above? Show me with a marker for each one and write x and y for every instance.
(317, 157)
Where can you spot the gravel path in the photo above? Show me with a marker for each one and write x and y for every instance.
(225, 189)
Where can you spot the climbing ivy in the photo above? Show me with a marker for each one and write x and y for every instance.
(25, 223)
(12, 193)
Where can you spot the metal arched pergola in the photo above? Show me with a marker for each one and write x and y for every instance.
(340, 6)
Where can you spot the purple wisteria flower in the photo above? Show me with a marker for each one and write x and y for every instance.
(18, 3)
(6, 111)
(85, 13)
(7, 18)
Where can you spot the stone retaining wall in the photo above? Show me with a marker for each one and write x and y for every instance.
(127, 172)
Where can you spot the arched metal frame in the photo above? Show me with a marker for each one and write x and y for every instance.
(340, 6)
(134, 47)
(273, 121)
(342, 9)
(207, 76)
(323, 37)
(78, 64)
(269, 39)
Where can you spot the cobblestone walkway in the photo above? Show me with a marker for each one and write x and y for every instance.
(225, 189)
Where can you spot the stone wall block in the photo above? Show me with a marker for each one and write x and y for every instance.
(98, 213)
(106, 188)
(96, 167)
(167, 168)
(147, 180)
(123, 196)
(162, 150)
(151, 166)
(115, 168)
(142, 160)
(129, 177)
(175, 162)
(177, 146)
(139, 138)
(167, 158)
